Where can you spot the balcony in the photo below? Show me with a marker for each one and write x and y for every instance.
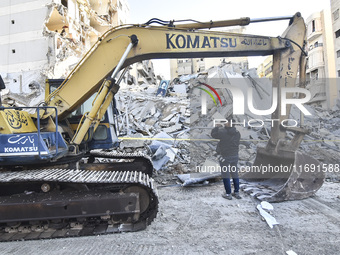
(315, 58)
(315, 34)
(314, 26)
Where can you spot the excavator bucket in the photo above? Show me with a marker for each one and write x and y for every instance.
(280, 171)
(283, 176)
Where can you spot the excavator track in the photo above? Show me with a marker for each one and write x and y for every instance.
(144, 162)
(106, 202)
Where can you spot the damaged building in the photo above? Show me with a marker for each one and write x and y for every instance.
(182, 67)
(46, 38)
(142, 73)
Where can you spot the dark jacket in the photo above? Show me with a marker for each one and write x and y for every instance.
(229, 140)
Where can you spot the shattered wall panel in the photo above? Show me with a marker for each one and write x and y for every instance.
(57, 20)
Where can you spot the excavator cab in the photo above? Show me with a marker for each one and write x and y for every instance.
(105, 135)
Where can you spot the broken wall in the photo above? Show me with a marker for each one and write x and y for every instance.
(46, 39)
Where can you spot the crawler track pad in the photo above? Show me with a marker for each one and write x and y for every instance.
(66, 205)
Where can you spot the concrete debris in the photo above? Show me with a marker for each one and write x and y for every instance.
(179, 89)
(267, 206)
(176, 126)
(23, 89)
(173, 128)
(159, 153)
(158, 164)
(194, 179)
(134, 141)
(209, 171)
(271, 221)
(171, 153)
(290, 252)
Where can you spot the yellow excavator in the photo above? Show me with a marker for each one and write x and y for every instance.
(53, 179)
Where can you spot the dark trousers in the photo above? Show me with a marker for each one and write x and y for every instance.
(229, 168)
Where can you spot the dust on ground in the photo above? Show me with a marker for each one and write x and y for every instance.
(197, 220)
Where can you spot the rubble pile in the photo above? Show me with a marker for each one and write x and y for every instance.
(173, 128)
(154, 125)
(201, 124)
(323, 141)
(175, 133)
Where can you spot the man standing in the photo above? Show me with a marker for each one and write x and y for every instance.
(227, 148)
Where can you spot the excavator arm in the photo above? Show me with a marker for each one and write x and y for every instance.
(161, 42)
(141, 42)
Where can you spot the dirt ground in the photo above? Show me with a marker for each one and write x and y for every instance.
(198, 220)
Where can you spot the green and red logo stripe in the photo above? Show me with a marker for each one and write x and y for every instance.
(210, 94)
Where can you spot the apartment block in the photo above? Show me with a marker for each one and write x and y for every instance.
(180, 67)
(321, 71)
(265, 69)
(321, 61)
(143, 73)
(335, 6)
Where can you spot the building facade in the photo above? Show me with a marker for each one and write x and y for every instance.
(265, 69)
(335, 6)
(45, 38)
(321, 61)
(321, 71)
(142, 73)
(181, 67)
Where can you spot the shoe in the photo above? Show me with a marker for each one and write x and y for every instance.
(227, 196)
(237, 195)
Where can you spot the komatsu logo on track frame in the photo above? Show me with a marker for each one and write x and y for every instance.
(180, 41)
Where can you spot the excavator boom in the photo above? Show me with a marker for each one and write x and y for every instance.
(156, 42)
